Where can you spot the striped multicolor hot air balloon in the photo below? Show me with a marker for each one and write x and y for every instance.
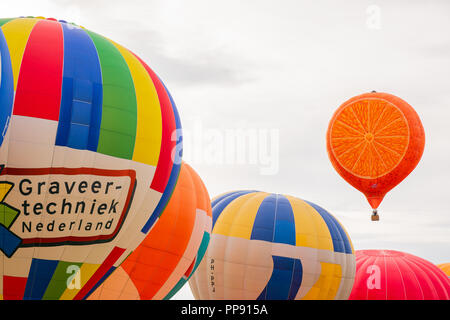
(172, 250)
(89, 156)
(274, 247)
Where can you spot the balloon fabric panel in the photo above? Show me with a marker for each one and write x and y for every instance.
(273, 246)
(38, 93)
(81, 107)
(81, 102)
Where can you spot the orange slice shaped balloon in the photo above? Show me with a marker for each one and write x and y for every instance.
(374, 141)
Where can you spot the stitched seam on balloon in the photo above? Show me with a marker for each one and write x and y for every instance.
(419, 262)
(401, 277)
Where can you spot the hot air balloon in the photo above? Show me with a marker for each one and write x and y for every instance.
(172, 250)
(88, 157)
(395, 275)
(374, 141)
(268, 246)
(445, 267)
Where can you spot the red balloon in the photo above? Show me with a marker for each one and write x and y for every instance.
(395, 275)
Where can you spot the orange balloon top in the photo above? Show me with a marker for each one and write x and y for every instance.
(148, 268)
(153, 261)
(374, 141)
(445, 267)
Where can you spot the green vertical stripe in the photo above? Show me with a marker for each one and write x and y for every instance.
(5, 20)
(58, 283)
(119, 110)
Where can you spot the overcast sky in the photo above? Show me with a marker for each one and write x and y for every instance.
(282, 68)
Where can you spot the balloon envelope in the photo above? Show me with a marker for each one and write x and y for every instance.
(445, 267)
(374, 141)
(274, 247)
(172, 250)
(395, 275)
(86, 157)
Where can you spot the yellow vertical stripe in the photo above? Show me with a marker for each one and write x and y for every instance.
(310, 228)
(237, 219)
(86, 271)
(149, 121)
(327, 286)
(17, 32)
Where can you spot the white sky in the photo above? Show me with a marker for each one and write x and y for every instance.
(287, 65)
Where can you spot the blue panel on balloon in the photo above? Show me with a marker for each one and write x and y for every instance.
(284, 223)
(82, 90)
(274, 221)
(6, 87)
(81, 112)
(264, 224)
(9, 242)
(81, 87)
(285, 280)
(41, 272)
(78, 136)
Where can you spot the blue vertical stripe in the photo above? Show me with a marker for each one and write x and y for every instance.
(297, 278)
(274, 221)
(82, 92)
(264, 224)
(284, 222)
(177, 157)
(285, 280)
(341, 243)
(40, 275)
(6, 87)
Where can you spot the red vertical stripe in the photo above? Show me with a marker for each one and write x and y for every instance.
(189, 270)
(38, 91)
(101, 271)
(165, 161)
(13, 287)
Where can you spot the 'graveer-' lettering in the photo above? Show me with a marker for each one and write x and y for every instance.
(63, 206)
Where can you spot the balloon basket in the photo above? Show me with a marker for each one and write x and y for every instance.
(375, 216)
